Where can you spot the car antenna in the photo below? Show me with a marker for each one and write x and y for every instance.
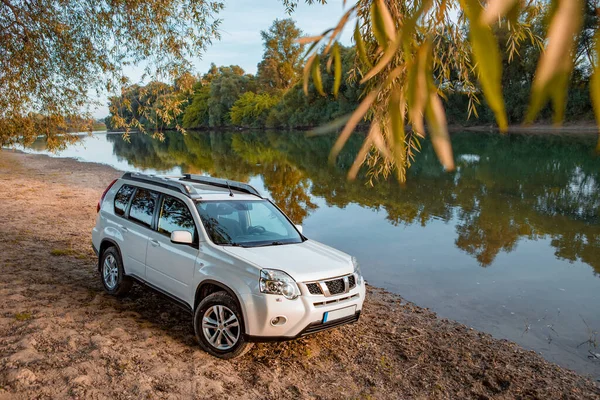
(230, 192)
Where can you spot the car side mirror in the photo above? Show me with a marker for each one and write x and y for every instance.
(299, 227)
(181, 237)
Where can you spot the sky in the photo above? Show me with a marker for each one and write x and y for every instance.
(241, 44)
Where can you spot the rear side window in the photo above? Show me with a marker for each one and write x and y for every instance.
(142, 206)
(175, 216)
(122, 199)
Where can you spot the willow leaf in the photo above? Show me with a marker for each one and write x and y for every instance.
(378, 25)
(337, 69)
(488, 60)
(338, 29)
(360, 158)
(440, 139)
(496, 9)
(309, 39)
(360, 47)
(555, 65)
(355, 118)
(379, 141)
(417, 88)
(316, 75)
(386, 18)
(331, 126)
(388, 55)
(307, 69)
(396, 108)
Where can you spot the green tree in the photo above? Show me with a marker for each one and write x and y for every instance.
(282, 59)
(196, 114)
(230, 83)
(55, 55)
(252, 109)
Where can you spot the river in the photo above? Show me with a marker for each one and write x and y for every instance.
(509, 243)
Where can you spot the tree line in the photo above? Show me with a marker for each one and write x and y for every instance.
(227, 96)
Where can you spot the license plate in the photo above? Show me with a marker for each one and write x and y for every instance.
(337, 314)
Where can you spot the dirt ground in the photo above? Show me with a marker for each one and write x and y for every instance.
(61, 336)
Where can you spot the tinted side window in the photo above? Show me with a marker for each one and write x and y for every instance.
(175, 216)
(122, 199)
(142, 206)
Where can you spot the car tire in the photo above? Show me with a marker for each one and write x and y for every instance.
(219, 326)
(112, 274)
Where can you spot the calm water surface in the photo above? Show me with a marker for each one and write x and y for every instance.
(508, 244)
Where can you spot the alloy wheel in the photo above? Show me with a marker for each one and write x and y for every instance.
(221, 327)
(110, 272)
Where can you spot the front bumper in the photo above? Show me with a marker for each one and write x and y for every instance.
(303, 316)
(309, 330)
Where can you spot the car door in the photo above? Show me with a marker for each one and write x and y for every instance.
(136, 228)
(170, 266)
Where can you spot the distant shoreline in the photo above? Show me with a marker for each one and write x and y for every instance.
(576, 128)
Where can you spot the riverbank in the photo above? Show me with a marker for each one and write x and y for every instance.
(61, 336)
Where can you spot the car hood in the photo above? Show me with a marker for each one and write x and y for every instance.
(307, 261)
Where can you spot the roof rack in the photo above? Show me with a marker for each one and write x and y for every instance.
(223, 183)
(160, 181)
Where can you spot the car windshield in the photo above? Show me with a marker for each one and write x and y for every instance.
(247, 223)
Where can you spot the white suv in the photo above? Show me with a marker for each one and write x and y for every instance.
(227, 255)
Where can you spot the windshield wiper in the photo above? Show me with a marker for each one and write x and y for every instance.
(233, 244)
(274, 243)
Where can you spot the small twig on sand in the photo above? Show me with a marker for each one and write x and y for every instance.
(409, 368)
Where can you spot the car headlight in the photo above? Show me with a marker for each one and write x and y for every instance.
(357, 271)
(273, 281)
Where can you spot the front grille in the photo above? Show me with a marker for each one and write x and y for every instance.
(335, 286)
(351, 281)
(335, 301)
(314, 288)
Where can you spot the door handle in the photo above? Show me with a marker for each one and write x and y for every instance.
(123, 228)
(154, 242)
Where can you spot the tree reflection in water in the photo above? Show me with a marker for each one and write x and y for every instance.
(505, 188)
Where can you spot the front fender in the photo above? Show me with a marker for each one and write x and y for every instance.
(240, 278)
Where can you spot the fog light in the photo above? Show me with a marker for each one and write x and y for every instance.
(278, 321)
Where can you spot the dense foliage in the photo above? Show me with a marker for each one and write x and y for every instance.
(56, 55)
(227, 96)
(275, 98)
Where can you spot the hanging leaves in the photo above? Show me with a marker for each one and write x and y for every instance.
(315, 71)
(307, 70)
(396, 110)
(488, 61)
(554, 68)
(337, 61)
(409, 53)
(360, 47)
(436, 118)
(382, 23)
